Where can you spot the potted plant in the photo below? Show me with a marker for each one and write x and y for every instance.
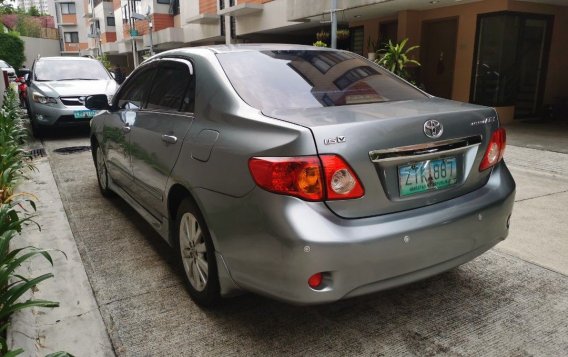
(342, 34)
(320, 44)
(372, 47)
(322, 35)
(395, 58)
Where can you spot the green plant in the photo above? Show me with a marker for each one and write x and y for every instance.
(14, 214)
(320, 44)
(105, 61)
(33, 11)
(395, 58)
(12, 49)
(342, 34)
(322, 35)
(14, 159)
(27, 26)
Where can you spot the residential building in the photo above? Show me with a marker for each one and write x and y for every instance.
(70, 20)
(509, 54)
(41, 5)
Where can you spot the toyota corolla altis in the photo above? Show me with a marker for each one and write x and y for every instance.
(304, 174)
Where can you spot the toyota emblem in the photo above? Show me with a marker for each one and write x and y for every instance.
(433, 129)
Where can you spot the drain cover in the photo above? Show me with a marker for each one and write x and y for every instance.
(35, 153)
(72, 149)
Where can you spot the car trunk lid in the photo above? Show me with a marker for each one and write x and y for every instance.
(395, 160)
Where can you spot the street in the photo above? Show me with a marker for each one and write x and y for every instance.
(513, 300)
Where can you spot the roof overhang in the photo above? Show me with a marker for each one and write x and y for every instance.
(241, 10)
(203, 19)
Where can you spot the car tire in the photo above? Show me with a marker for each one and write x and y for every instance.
(37, 130)
(102, 172)
(195, 254)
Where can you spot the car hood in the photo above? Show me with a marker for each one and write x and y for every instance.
(77, 88)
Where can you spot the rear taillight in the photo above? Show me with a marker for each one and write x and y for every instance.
(293, 176)
(495, 149)
(304, 177)
(341, 181)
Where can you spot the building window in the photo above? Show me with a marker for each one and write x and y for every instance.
(510, 61)
(357, 37)
(166, 2)
(68, 8)
(110, 21)
(71, 37)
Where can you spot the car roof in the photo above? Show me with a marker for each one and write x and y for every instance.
(262, 47)
(249, 47)
(66, 58)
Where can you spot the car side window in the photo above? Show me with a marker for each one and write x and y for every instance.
(170, 87)
(136, 89)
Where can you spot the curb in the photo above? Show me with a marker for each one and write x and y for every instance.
(76, 326)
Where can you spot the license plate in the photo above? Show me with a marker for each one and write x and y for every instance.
(425, 176)
(81, 114)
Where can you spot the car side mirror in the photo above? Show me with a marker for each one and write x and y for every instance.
(97, 102)
(113, 75)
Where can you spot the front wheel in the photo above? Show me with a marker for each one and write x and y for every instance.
(196, 255)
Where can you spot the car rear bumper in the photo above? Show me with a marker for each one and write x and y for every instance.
(272, 244)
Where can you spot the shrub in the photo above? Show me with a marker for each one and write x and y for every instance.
(14, 214)
(12, 49)
(396, 58)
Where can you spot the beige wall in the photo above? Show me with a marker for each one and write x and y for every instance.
(410, 25)
(39, 46)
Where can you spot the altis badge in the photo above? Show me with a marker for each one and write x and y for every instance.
(336, 140)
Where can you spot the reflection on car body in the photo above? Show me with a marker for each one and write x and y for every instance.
(226, 151)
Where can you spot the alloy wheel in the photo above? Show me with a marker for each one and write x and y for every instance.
(193, 251)
(101, 169)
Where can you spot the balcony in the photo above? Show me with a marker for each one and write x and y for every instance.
(241, 10)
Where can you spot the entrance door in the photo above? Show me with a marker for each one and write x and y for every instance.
(509, 67)
(531, 54)
(437, 55)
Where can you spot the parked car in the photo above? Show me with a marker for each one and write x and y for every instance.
(57, 88)
(4, 66)
(304, 174)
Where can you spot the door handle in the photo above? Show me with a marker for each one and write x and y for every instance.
(170, 139)
(126, 129)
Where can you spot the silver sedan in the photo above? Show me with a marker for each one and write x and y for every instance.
(304, 174)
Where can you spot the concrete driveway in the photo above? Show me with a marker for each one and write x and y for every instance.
(511, 301)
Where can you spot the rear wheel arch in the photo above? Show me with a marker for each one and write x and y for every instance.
(176, 195)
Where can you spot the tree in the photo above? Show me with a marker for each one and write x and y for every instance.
(12, 49)
(7, 9)
(28, 26)
(33, 11)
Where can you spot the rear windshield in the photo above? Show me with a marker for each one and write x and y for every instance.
(61, 70)
(269, 80)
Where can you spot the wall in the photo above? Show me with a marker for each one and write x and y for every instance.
(410, 26)
(39, 46)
